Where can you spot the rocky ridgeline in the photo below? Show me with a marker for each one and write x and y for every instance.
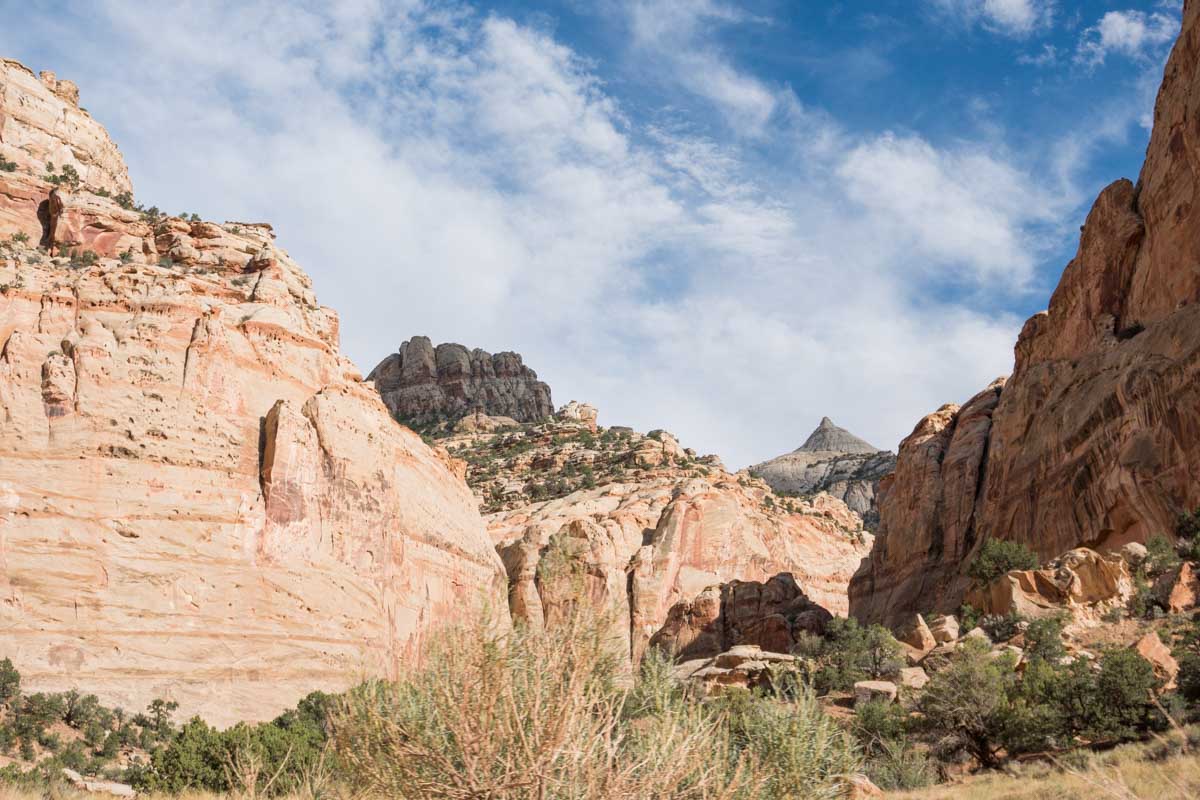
(192, 499)
(646, 529)
(1095, 438)
(425, 386)
(835, 461)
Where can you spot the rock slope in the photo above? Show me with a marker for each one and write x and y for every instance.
(423, 384)
(1095, 438)
(199, 498)
(636, 524)
(831, 460)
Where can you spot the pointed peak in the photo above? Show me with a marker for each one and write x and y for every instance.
(829, 438)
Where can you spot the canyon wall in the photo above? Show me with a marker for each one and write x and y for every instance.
(200, 499)
(1095, 438)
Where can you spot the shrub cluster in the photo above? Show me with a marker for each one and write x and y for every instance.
(997, 557)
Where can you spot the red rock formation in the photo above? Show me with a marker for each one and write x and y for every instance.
(1095, 439)
(199, 498)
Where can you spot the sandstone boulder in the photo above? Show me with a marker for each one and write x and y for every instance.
(1179, 589)
(1152, 648)
(944, 628)
(1080, 581)
(913, 677)
(916, 634)
(866, 691)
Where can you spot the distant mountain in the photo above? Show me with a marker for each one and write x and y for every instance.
(832, 460)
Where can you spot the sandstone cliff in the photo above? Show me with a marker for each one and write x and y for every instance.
(641, 528)
(1095, 438)
(831, 460)
(199, 497)
(422, 384)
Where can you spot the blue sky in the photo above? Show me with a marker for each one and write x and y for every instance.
(725, 219)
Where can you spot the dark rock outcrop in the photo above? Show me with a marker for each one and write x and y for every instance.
(1095, 439)
(831, 460)
(770, 615)
(423, 384)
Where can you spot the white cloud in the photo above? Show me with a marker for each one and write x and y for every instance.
(1134, 34)
(1017, 18)
(962, 211)
(676, 38)
(466, 177)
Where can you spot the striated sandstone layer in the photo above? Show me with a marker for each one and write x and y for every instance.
(1095, 438)
(422, 384)
(831, 460)
(660, 530)
(199, 498)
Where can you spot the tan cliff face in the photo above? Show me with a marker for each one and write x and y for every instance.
(1095, 439)
(199, 498)
(640, 527)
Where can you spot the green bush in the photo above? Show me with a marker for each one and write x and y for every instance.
(850, 652)
(10, 681)
(1161, 556)
(7, 166)
(997, 557)
(1043, 639)
(1001, 627)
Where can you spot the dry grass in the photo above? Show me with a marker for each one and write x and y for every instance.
(1126, 773)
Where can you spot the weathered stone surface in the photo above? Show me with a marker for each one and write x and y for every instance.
(1179, 589)
(769, 616)
(866, 691)
(41, 124)
(1152, 648)
(674, 541)
(926, 507)
(913, 677)
(1081, 581)
(944, 628)
(96, 786)
(744, 666)
(916, 634)
(423, 384)
(1095, 439)
(831, 460)
(199, 498)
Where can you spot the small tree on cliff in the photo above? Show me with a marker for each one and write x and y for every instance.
(997, 557)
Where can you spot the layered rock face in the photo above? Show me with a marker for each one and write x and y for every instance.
(199, 498)
(831, 460)
(652, 527)
(1095, 439)
(422, 384)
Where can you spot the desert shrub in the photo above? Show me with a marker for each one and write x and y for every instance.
(850, 652)
(1161, 556)
(20, 237)
(68, 177)
(1123, 705)
(1001, 627)
(968, 706)
(7, 166)
(1043, 638)
(997, 557)
(548, 713)
(898, 766)
(125, 200)
(10, 681)
(1189, 677)
(272, 758)
(968, 617)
